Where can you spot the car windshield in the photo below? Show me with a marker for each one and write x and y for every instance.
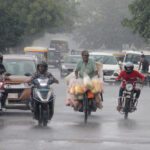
(71, 59)
(134, 58)
(108, 60)
(19, 67)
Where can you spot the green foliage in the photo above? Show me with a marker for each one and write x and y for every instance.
(20, 19)
(140, 20)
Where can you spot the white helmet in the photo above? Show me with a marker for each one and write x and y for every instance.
(129, 65)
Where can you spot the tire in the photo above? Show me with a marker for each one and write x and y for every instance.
(127, 108)
(45, 117)
(45, 114)
(40, 116)
(85, 109)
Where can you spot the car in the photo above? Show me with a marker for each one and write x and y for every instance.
(68, 64)
(19, 69)
(132, 56)
(111, 68)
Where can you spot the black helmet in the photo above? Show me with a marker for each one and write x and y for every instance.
(129, 65)
(1, 57)
(42, 63)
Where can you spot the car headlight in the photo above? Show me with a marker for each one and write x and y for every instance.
(129, 87)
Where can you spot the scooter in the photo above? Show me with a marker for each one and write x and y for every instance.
(43, 100)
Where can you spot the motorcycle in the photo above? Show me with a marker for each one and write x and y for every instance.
(43, 100)
(127, 101)
(89, 104)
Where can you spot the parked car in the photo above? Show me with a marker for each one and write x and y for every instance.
(68, 64)
(19, 68)
(111, 67)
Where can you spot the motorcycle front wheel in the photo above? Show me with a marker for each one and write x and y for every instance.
(127, 108)
(85, 105)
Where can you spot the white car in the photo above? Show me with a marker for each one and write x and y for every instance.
(132, 56)
(111, 67)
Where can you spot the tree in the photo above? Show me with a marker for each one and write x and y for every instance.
(20, 20)
(140, 20)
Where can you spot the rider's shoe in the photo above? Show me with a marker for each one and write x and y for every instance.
(118, 107)
(133, 104)
(94, 106)
(80, 108)
(119, 104)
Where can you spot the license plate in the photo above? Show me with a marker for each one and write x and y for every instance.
(11, 86)
(13, 95)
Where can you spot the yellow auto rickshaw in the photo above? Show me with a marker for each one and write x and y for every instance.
(40, 52)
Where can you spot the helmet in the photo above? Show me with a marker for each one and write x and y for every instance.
(129, 65)
(1, 57)
(42, 63)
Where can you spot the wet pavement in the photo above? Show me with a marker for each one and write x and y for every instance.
(106, 129)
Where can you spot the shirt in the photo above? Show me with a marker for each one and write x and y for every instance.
(88, 68)
(132, 77)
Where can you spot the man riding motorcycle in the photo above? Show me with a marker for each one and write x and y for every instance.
(87, 66)
(129, 75)
(42, 68)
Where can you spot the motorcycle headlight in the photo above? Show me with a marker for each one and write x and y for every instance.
(129, 87)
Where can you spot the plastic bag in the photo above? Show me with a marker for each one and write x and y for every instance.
(87, 82)
(76, 87)
(96, 86)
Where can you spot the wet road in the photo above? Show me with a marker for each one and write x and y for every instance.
(106, 129)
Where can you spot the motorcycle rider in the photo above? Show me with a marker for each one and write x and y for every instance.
(129, 75)
(87, 66)
(42, 68)
(3, 72)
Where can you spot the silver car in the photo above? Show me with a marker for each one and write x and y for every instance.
(68, 64)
